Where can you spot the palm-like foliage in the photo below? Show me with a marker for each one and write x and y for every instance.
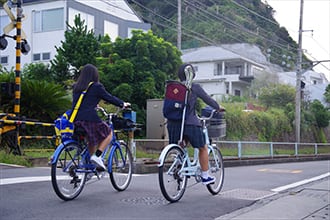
(43, 100)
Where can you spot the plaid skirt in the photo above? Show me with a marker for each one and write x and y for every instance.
(96, 131)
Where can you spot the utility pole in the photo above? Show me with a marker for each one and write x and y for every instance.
(179, 25)
(299, 73)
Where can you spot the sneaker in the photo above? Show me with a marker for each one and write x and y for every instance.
(98, 161)
(208, 180)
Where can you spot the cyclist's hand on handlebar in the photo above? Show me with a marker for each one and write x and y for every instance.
(126, 105)
(221, 109)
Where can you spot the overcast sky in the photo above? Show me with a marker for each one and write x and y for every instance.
(316, 17)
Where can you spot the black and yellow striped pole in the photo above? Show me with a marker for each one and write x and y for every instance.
(18, 58)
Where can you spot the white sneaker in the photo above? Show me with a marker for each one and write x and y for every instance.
(98, 161)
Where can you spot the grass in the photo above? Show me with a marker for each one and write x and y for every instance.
(14, 159)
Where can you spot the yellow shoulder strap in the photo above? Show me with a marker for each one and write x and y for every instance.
(75, 110)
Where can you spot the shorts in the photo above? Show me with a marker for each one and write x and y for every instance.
(96, 131)
(193, 133)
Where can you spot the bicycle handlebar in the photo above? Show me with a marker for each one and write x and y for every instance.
(204, 118)
(105, 113)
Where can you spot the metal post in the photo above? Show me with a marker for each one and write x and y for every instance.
(271, 149)
(18, 58)
(239, 145)
(299, 73)
(179, 25)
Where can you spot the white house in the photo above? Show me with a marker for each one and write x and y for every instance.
(44, 24)
(315, 83)
(220, 71)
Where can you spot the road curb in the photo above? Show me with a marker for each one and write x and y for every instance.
(147, 165)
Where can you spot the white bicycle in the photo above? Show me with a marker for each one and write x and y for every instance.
(175, 165)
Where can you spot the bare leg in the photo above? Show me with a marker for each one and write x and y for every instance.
(102, 145)
(105, 142)
(204, 158)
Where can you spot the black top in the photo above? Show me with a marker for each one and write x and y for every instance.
(94, 94)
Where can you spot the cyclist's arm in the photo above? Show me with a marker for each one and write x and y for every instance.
(106, 96)
(205, 97)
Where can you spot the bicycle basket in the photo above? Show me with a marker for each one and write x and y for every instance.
(216, 128)
(122, 123)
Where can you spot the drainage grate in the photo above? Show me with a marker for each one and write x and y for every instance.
(145, 201)
(247, 194)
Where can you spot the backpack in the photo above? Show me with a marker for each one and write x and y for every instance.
(175, 100)
(64, 126)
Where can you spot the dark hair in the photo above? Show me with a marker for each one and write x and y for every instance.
(182, 73)
(88, 73)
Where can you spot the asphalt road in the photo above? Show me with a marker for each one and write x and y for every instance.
(27, 193)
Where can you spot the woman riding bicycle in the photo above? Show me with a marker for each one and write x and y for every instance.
(193, 131)
(98, 132)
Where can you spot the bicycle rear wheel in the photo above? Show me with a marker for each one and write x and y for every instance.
(217, 170)
(172, 183)
(68, 178)
(122, 165)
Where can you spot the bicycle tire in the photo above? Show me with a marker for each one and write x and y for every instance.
(217, 170)
(122, 165)
(172, 184)
(67, 181)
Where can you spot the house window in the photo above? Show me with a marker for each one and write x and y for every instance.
(41, 56)
(48, 20)
(237, 92)
(36, 57)
(233, 70)
(4, 60)
(218, 70)
(45, 56)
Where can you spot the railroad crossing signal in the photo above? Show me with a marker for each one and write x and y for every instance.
(12, 25)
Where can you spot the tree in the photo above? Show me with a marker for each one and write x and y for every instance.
(144, 62)
(277, 95)
(79, 48)
(321, 114)
(37, 71)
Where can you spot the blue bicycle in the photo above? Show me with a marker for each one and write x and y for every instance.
(71, 166)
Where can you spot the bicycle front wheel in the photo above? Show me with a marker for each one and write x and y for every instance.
(68, 178)
(217, 170)
(171, 181)
(121, 162)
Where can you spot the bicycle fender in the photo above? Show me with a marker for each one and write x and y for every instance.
(58, 150)
(164, 152)
(112, 151)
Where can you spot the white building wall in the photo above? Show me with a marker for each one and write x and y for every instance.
(39, 42)
(45, 42)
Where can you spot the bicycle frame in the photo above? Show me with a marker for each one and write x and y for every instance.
(190, 168)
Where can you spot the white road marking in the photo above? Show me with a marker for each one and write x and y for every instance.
(286, 187)
(31, 179)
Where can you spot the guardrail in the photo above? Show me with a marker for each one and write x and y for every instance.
(248, 149)
(272, 149)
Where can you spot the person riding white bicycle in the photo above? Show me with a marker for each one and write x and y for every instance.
(193, 131)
